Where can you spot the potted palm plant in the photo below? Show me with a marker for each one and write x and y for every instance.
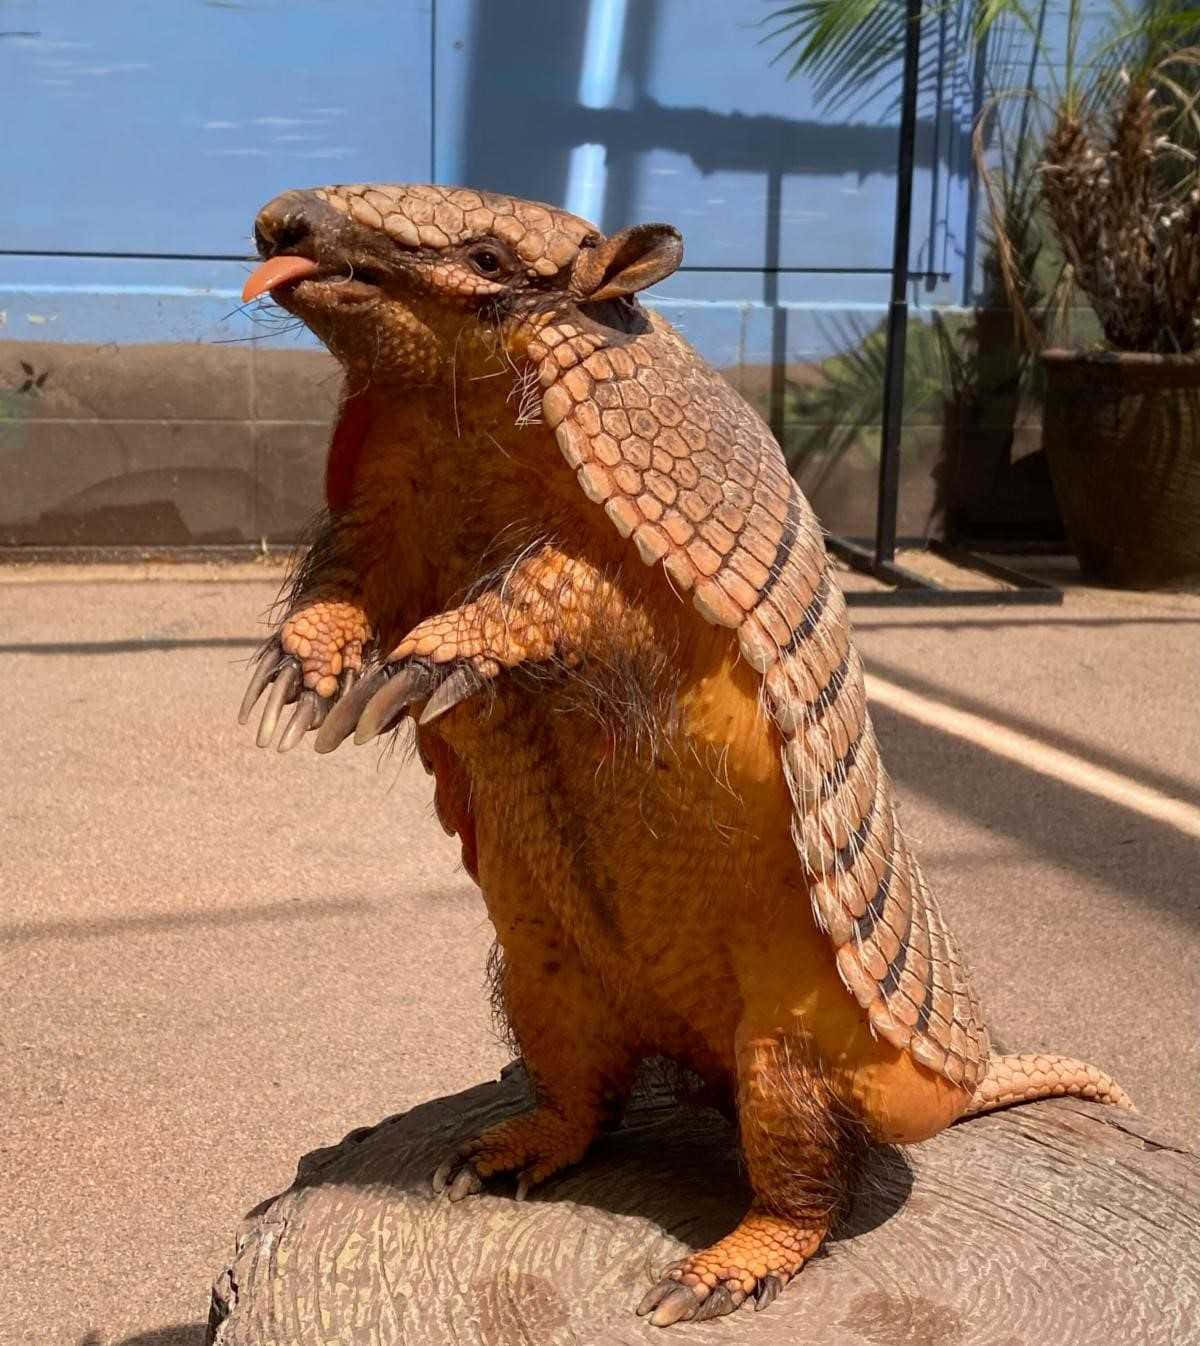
(1121, 428)
(1116, 200)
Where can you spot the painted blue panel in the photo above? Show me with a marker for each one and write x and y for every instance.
(158, 126)
(161, 125)
(671, 109)
(130, 300)
(843, 289)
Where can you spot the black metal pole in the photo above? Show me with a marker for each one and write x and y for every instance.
(897, 322)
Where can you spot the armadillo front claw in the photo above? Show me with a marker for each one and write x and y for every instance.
(464, 682)
(402, 685)
(266, 666)
(340, 723)
(283, 673)
(286, 678)
(311, 710)
(382, 698)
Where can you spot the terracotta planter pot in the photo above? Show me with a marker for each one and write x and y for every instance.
(1122, 435)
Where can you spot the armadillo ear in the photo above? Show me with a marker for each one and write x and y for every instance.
(627, 262)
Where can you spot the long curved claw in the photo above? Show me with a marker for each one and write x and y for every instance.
(343, 717)
(719, 1302)
(464, 682)
(441, 1175)
(466, 1183)
(669, 1302)
(284, 690)
(308, 709)
(267, 662)
(389, 703)
(322, 710)
(766, 1290)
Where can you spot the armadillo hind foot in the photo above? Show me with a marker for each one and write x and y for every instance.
(754, 1262)
(532, 1146)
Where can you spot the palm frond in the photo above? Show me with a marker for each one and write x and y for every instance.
(851, 48)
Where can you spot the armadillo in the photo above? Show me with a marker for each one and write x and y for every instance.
(562, 545)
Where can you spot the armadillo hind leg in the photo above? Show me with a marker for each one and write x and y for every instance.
(802, 1151)
(575, 1052)
(1024, 1078)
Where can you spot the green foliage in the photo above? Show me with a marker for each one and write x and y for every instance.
(843, 405)
(1090, 159)
(852, 48)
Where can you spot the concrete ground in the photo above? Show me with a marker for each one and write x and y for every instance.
(213, 959)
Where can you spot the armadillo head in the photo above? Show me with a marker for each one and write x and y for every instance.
(404, 281)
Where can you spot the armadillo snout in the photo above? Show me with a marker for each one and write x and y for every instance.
(297, 222)
(283, 225)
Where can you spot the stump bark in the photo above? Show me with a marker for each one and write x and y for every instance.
(1059, 1222)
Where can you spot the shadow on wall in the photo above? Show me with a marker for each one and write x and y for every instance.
(758, 228)
(508, 112)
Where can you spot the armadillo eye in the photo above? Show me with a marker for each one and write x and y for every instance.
(485, 260)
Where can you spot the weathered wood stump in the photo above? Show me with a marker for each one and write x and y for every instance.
(1059, 1222)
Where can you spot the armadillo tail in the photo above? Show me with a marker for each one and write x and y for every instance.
(1021, 1079)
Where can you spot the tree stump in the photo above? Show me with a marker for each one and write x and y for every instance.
(1058, 1222)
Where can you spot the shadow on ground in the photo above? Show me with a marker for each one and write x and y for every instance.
(1035, 727)
(181, 1334)
(670, 1162)
(1120, 850)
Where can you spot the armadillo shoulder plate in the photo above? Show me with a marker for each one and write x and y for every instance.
(686, 469)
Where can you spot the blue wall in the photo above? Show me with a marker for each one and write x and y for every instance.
(140, 404)
(143, 130)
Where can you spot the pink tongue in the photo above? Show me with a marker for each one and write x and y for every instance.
(277, 271)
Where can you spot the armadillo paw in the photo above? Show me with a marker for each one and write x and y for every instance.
(283, 673)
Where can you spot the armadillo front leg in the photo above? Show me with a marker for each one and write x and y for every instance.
(536, 615)
(801, 1152)
(315, 656)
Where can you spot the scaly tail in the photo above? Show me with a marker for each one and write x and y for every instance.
(1021, 1079)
